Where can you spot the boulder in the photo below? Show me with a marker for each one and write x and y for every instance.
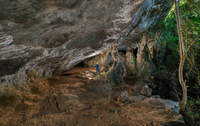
(134, 99)
(69, 103)
(146, 90)
(123, 97)
(168, 103)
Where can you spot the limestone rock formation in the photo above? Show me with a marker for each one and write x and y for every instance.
(144, 65)
(146, 90)
(157, 50)
(52, 36)
(118, 70)
(130, 62)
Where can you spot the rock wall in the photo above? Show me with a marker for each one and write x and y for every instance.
(51, 36)
(144, 65)
(130, 62)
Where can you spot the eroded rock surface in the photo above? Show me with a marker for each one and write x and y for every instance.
(69, 100)
(51, 36)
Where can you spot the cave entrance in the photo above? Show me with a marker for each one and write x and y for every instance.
(122, 51)
(135, 51)
(80, 64)
(83, 63)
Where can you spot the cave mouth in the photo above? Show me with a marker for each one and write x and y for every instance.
(80, 64)
(66, 74)
(83, 63)
(122, 51)
(135, 51)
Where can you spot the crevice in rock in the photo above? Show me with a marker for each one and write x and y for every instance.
(135, 51)
(80, 64)
(122, 51)
(57, 104)
(66, 74)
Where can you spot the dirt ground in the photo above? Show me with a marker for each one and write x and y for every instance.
(80, 97)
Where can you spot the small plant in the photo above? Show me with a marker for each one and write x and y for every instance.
(103, 73)
(115, 80)
(112, 110)
(193, 109)
(196, 86)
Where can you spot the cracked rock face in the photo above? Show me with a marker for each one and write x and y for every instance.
(51, 36)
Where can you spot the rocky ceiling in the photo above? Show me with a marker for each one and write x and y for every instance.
(52, 35)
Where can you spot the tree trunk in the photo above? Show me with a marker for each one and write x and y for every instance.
(183, 53)
(182, 82)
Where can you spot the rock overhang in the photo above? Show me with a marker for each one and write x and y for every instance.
(59, 35)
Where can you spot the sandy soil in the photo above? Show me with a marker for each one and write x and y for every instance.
(74, 100)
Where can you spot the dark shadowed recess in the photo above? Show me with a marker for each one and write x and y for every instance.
(135, 51)
(10, 66)
(122, 51)
(80, 64)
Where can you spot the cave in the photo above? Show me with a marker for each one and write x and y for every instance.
(135, 51)
(80, 64)
(122, 51)
(48, 53)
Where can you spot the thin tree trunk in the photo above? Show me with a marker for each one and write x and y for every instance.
(182, 53)
(182, 82)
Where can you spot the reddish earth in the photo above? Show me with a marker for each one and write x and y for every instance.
(74, 100)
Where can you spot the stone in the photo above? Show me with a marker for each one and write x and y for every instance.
(69, 103)
(145, 66)
(134, 99)
(168, 103)
(117, 72)
(123, 97)
(146, 90)
(152, 85)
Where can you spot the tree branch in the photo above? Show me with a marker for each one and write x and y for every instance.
(192, 44)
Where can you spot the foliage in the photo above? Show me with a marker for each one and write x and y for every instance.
(116, 80)
(190, 23)
(193, 110)
(190, 14)
(103, 73)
